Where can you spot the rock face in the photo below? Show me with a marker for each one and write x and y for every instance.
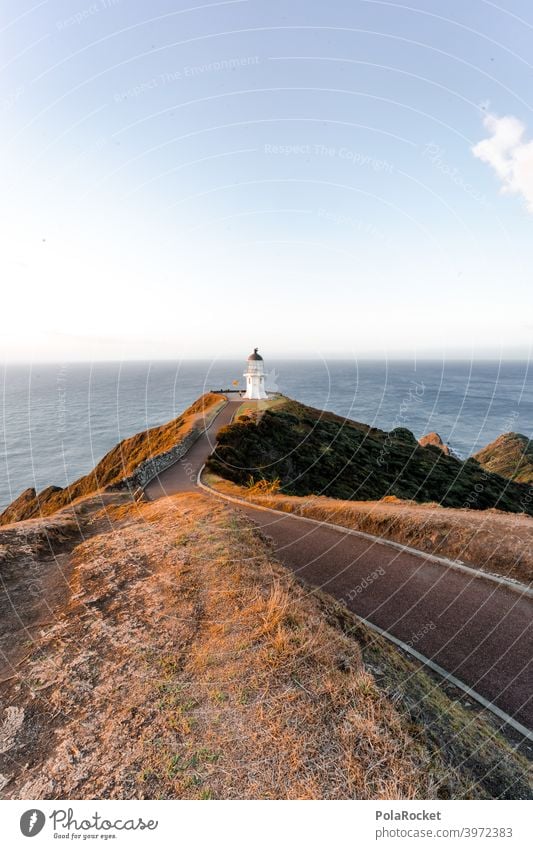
(312, 452)
(28, 504)
(510, 455)
(435, 439)
(130, 464)
(21, 507)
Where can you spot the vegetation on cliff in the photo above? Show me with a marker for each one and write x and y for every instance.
(510, 455)
(312, 452)
(117, 465)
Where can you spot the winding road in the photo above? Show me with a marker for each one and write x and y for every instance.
(476, 631)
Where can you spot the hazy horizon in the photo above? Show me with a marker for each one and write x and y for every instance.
(277, 358)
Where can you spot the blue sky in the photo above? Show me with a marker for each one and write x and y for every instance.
(305, 176)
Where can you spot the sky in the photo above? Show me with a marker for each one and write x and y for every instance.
(190, 179)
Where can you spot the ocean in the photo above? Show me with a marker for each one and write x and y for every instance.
(59, 420)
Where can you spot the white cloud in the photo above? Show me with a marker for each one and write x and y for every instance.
(509, 154)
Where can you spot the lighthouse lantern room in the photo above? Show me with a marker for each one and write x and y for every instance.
(255, 377)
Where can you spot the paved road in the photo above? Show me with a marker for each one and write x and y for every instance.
(477, 630)
(181, 477)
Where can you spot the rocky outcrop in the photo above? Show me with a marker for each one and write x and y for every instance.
(28, 504)
(436, 440)
(21, 508)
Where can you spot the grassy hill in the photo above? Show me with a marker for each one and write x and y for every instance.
(312, 452)
(510, 455)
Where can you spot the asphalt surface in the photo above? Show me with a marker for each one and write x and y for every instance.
(477, 630)
(182, 476)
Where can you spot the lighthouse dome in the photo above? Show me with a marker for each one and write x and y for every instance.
(255, 355)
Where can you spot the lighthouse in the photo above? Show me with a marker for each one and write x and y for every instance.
(255, 377)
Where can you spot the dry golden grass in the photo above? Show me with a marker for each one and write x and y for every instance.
(263, 487)
(189, 664)
(284, 693)
(253, 408)
(228, 689)
(486, 539)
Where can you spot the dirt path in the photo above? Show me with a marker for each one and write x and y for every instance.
(478, 631)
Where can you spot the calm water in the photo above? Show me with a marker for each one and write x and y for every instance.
(58, 421)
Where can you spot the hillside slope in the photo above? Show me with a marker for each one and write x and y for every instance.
(491, 540)
(510, 455)
(118, 465)
(180, 660)
(312, 452)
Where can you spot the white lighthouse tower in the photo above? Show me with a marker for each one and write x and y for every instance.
(255, 377)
